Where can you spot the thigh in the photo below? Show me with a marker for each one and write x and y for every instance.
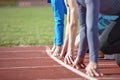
(92, 15)
(81, 12)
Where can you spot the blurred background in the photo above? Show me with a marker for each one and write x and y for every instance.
(23, 2)
(26, 23)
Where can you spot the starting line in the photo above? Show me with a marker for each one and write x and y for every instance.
(68, 66)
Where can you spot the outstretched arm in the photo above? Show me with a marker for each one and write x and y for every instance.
(72, 29)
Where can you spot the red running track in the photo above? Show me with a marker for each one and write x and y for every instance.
(33, 63)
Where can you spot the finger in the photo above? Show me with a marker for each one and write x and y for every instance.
(73, 66)
(59, 57)
(89, 71)
(65, 60)
(70, 60)
(101, 74)
(76, 66)
(83, 65)
(57, 54)
(96, 72)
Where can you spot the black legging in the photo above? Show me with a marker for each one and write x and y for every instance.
(110, 38)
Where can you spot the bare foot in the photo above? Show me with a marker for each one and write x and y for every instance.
(53, 48)
(79, 63)
(92, 69)
(57, 51)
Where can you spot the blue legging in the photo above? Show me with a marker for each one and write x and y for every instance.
(88, 17)
(59, 9)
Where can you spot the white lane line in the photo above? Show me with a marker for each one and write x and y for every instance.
(29, 67)
(64, 79)
(23, 58)
(110, 78)
(69, 67)
(23, 51)
(20, 58)
(107, 64)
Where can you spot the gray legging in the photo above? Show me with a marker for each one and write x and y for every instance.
(88, 16)
(110, 38)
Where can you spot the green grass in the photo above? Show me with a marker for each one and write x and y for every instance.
(26, 26)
